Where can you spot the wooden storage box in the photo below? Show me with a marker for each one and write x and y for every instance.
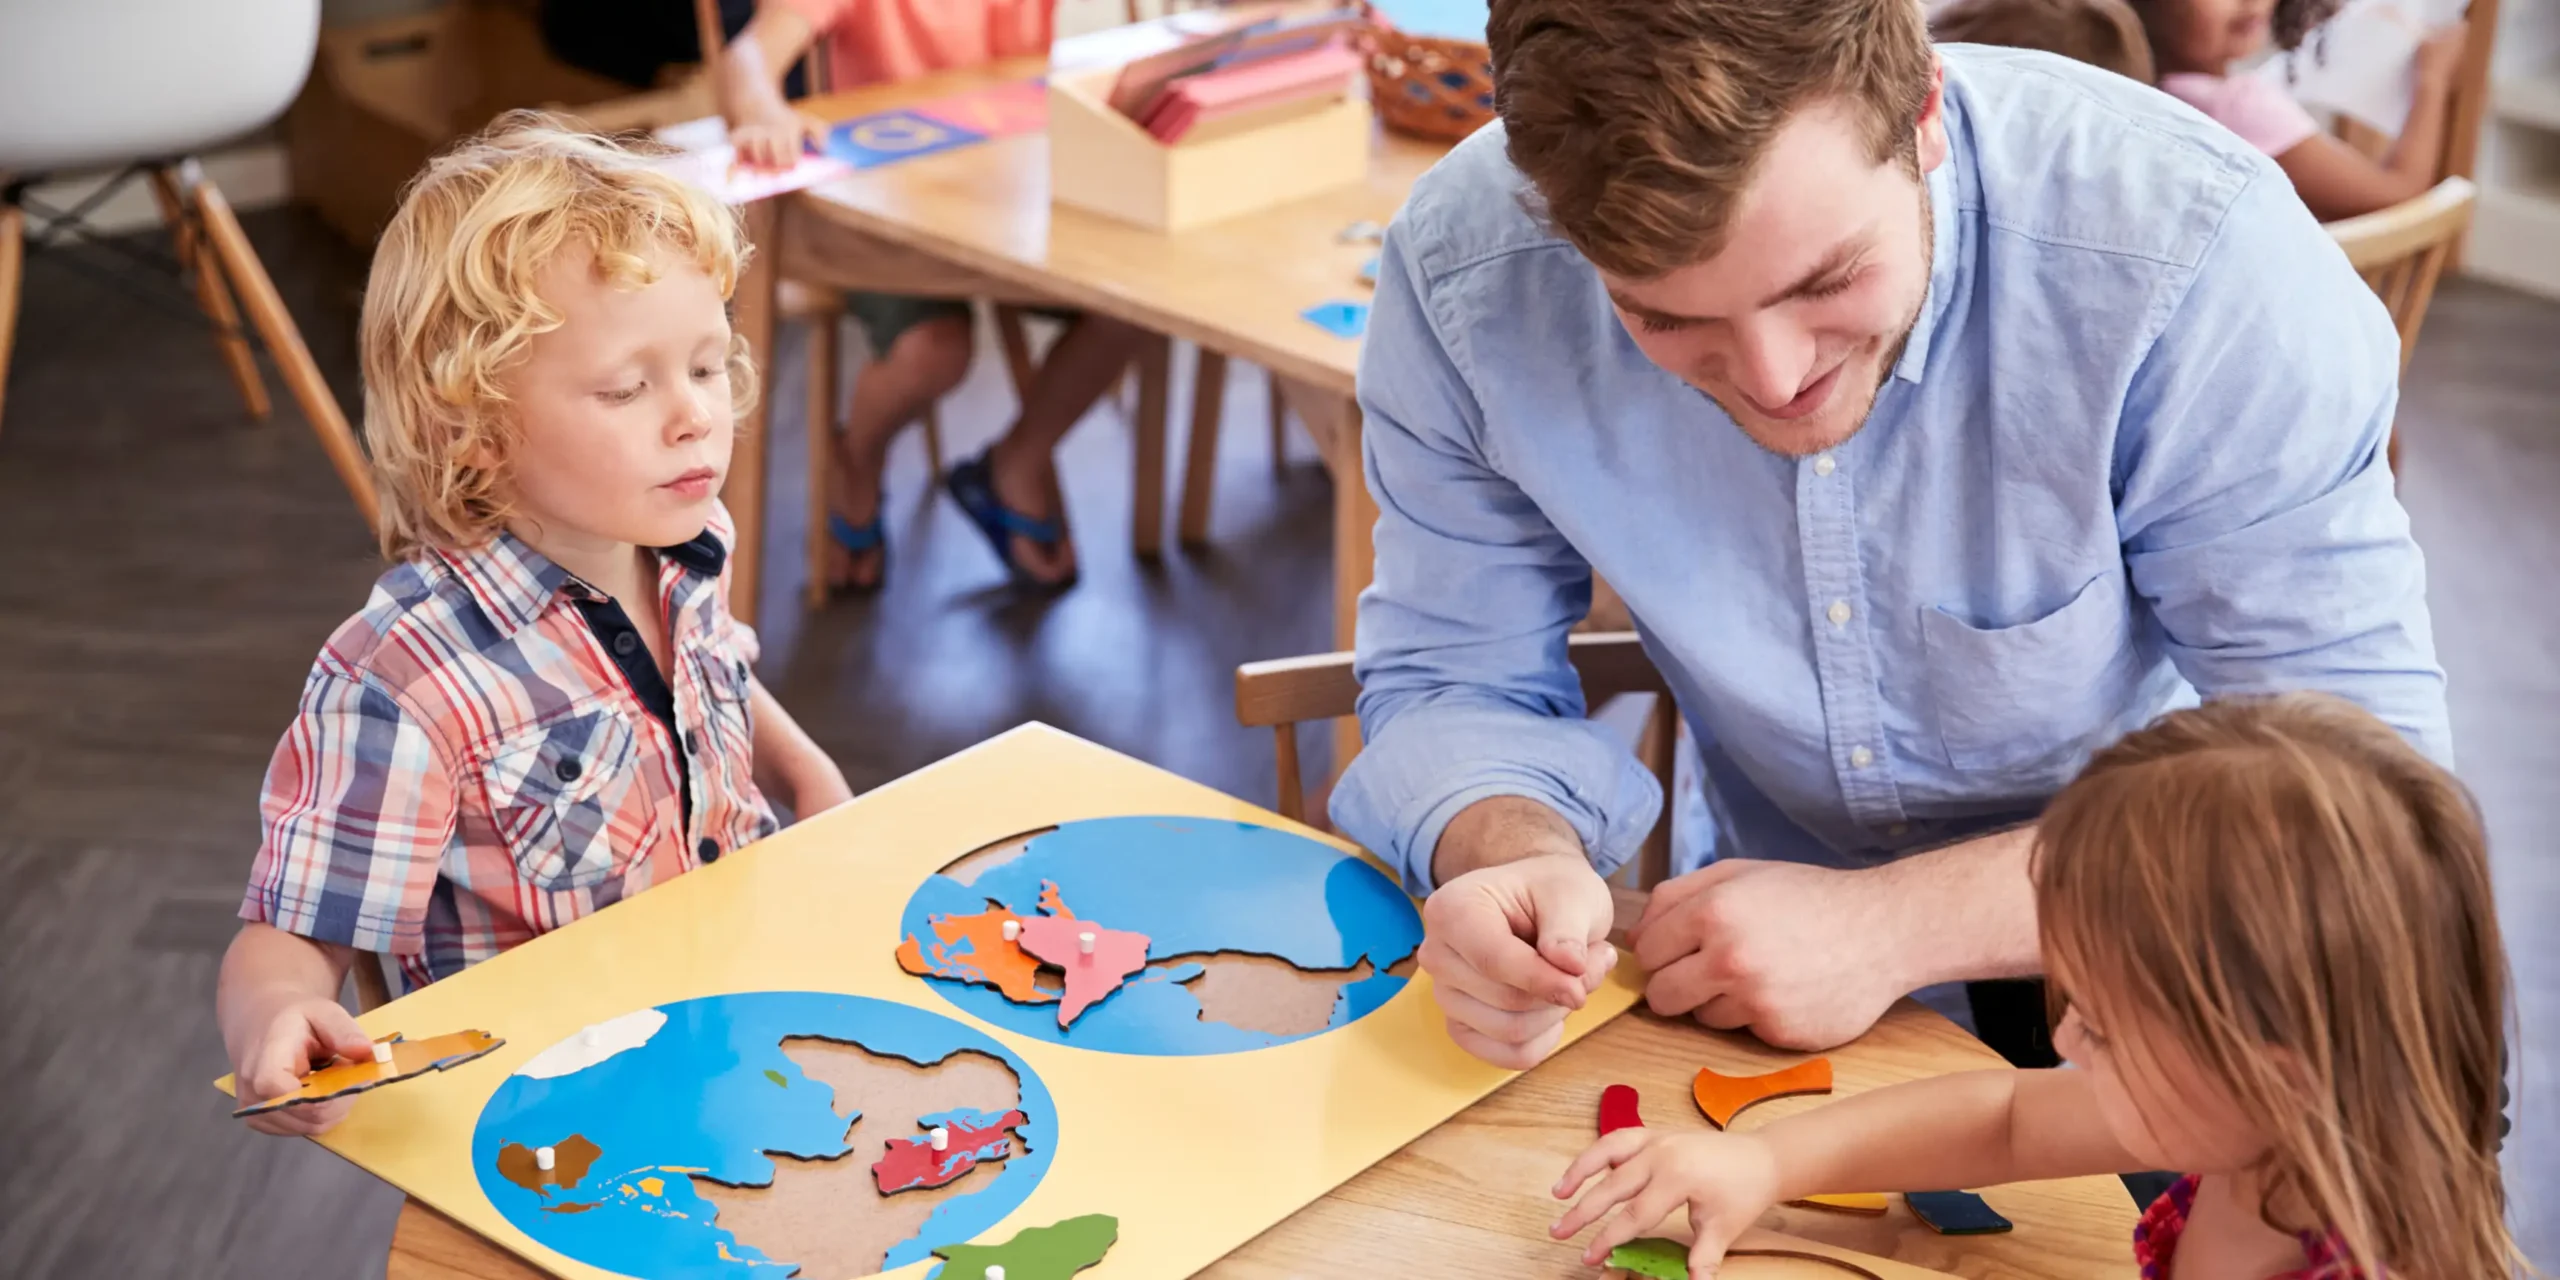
(1100, 160)
(386, 95)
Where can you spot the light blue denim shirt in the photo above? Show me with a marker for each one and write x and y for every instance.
(2133, 451)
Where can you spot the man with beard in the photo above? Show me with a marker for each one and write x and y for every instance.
(1941, 414)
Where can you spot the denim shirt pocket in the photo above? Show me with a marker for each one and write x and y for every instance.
(561, 793)
(2021, 696)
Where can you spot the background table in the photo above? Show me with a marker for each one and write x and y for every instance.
(978, 220)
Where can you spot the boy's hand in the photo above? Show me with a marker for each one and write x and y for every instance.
(774, 142)
(301, 1035)
(1726, 1180)
(2441, 56)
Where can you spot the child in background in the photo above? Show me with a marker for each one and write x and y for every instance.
(922, 347)
(2198, 42)
(2102, 33)
(2270, 923)
(545, 707)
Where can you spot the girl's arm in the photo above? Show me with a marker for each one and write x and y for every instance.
(2338, 181)
(748, 87)
(1977, 1129)
(790, 765)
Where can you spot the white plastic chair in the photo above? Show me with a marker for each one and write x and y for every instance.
(142, 86)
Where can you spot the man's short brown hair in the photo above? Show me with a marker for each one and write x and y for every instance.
(1641, 122)
(2102, 33)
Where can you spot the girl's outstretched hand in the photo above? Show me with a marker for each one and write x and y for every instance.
(1725, 1180)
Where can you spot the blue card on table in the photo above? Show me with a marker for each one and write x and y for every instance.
(1341, 319)
(1955, 1213)
(892, 136)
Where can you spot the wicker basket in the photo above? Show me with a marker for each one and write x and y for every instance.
(1428, 86)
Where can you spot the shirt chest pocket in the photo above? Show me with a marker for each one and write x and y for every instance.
(562, 799)
(2024, 695)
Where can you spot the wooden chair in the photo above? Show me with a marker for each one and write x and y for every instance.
(2402, 250)
(1284, 692)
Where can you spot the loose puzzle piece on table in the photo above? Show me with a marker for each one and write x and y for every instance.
(1870, 1203)
(1955, 1213)
(1619, 1109)
(1001, 112)
(1341, 319)
(1053, 1252)
(1658, 1259)
(409, 1058)
(1722, 1097)
(872, 141)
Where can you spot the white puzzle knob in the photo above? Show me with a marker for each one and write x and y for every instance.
(543, 1159)
(995, 1271)
(941, 1139)
(1084, 942)
(382, 1052)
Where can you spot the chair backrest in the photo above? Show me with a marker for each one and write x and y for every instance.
(2401, 250)
(1284, 692)
(95, 83)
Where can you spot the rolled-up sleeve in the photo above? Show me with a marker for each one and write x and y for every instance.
(1466, 689)
(2256, 501)
(358, 808)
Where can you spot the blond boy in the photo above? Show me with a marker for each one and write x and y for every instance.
(545, 707)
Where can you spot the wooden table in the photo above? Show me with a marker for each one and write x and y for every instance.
(1469, 1198)
(977, 221)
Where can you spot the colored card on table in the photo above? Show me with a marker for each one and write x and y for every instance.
(1955, 1213)
(892, 136)
(716, 170)
(1001, 112)
(1341, 319)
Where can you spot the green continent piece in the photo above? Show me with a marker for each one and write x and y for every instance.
(1054, 1252)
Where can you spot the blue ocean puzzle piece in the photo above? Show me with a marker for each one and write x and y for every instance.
(697, 1099)
(1341, 319)
(1194, 887)
(891, 136)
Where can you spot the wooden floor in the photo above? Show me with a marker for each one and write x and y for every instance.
(177, 566)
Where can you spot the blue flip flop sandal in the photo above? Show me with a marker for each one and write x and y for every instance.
(973, 487)
(856, 539)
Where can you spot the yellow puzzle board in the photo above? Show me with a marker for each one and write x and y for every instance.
(816, 908)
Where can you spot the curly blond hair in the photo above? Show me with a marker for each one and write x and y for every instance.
(451, 304)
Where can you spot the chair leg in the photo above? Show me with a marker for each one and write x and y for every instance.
(1200, 467)
(1146, 506)
(211, 293)
(1293, 793)
(933, 440)
(13, 251)
(1016, 340)
(1279, 431)
(230, 246)
(823, 330)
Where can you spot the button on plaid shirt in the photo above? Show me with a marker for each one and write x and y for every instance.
(468, 767)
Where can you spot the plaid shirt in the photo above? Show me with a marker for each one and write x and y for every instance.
(469, 768)
(2155, 1241)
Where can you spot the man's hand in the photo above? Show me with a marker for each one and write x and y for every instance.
(1805, 957)
(1511, 949)
(302, 1035)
